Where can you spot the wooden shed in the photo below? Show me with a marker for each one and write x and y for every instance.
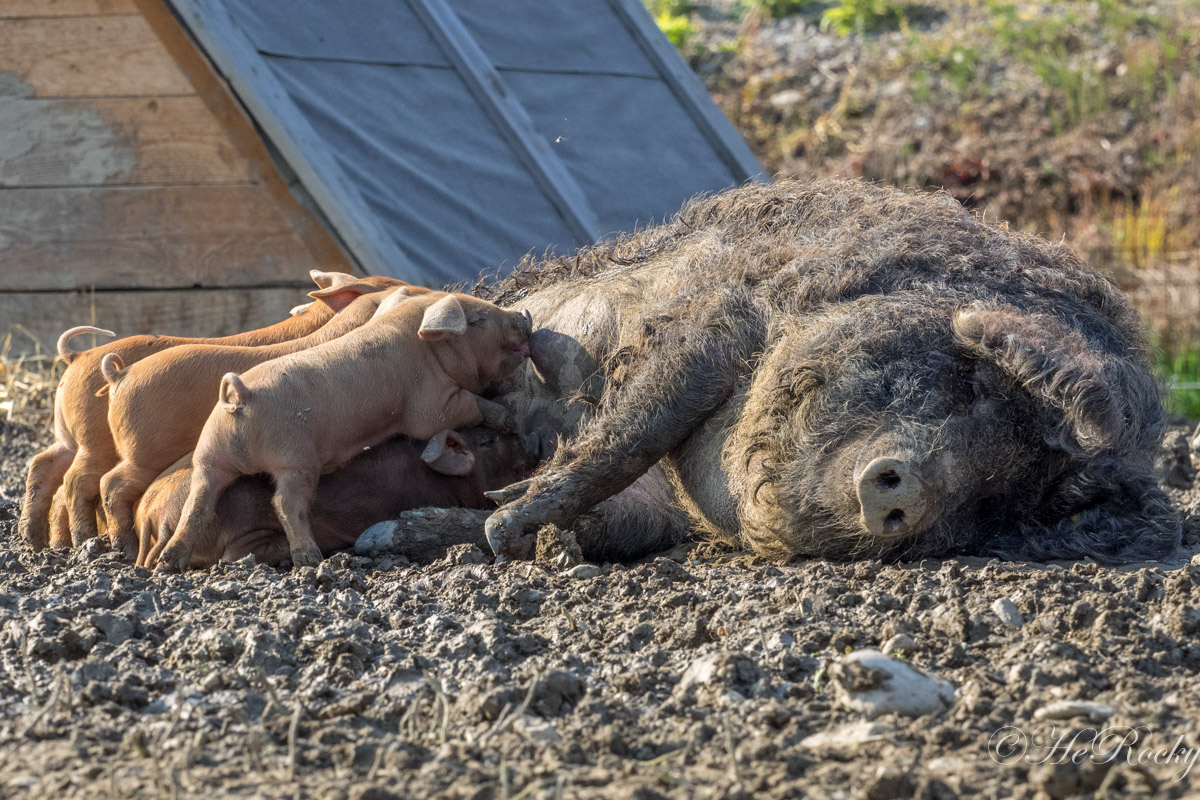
(177, 166)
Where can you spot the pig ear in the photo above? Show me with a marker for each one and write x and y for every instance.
(325, 280)
(300, 309)
(449, 454)
(1101, 399)
(395, 297)
(340, 295)
(443, 319)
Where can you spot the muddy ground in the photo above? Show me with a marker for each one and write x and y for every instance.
(692, 676)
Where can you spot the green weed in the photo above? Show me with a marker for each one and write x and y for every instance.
(677, 28)
(1183, 383)
(774, 9)
(863, 16)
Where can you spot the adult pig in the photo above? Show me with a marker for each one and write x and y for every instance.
(840, 370)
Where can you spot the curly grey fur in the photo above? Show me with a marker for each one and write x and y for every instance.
(824, 322)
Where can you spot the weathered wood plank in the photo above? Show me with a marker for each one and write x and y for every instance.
(124, 140)
(64, 8)
(85, 57)
(145, 237)
(293, 200)
(42, 316)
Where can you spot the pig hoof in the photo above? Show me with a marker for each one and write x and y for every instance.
(306, 557)
(127, 550)
(498, 530)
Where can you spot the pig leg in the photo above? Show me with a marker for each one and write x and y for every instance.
(60, 535)
(81, 485)
(173, 553)
(121, 488)
(294, 490)
(148, 535)
(682, 378)
(46, 473)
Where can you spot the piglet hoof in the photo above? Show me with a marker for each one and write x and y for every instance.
(125, 548)
(514, 491)
(309, 556)
(173, 560)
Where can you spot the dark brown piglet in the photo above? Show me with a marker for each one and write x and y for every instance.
(452, 470)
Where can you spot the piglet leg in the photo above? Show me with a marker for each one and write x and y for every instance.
(294, 490)
(173, 553)
(121, 487)
(45, 476)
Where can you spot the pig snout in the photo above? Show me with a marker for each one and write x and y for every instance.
(893, 497)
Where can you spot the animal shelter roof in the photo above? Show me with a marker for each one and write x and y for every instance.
(442, 139)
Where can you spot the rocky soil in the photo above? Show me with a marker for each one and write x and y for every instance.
(692, 676)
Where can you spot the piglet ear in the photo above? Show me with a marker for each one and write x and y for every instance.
(1105, 401)
(324, 280)
(395, 297)
(443, 319)
(300, 309)
(449, 454)
(341, 294)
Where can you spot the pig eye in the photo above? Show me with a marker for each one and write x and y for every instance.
(487, 441)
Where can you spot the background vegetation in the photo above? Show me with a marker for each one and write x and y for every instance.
(1076, 120)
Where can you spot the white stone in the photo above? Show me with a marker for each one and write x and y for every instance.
(379, 538)
(1008, 612)
(869, 682)
(583, 572)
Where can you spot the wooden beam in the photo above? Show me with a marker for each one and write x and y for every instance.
(41, 316)
(11, 9)
(93, 142)
(88, 57)
(326, 250)
(289, 131)
(510, 118)
(146, 237)
(690, 92)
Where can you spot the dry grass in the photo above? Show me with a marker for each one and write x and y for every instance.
(27, 380)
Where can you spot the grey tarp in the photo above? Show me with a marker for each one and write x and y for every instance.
(419, 174)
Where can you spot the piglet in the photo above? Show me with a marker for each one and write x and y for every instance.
(452, 470)
(158, 406)
(416, 368)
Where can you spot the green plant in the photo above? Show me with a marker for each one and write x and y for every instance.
(861, 16)
(1047, 43)
(1183, 383)
(775, 9)
(675, 8)
(956, 62)
(1141, 228)
(677, 28)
